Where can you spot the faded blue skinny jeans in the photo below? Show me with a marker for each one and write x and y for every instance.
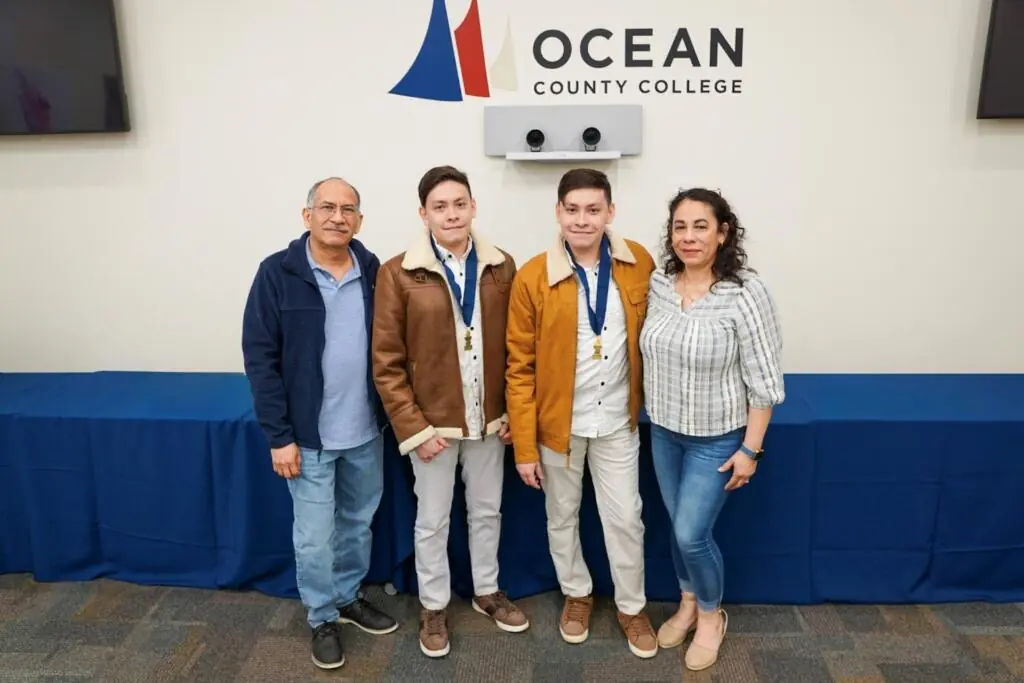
(694, 492)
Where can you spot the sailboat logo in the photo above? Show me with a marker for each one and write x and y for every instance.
(436, 75)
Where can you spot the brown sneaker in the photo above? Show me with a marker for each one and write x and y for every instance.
(434, 632)
(506, 615)
(639, 634)
(575, 623)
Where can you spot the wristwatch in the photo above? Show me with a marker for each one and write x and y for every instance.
(756, 455)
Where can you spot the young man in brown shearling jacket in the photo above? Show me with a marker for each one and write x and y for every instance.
(439, 366)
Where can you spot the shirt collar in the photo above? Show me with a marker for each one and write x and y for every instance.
(447, 255)
(353, 272)
(572, 260)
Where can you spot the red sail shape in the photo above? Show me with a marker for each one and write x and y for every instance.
(469, 43)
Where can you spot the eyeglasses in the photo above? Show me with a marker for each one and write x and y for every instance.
(328, 210)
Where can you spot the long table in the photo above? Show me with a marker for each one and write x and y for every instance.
(874, 488)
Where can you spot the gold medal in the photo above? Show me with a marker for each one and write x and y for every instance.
(469, 341)
(597, 349)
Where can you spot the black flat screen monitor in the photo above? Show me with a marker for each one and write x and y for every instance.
(1002, 76)
(60, 68)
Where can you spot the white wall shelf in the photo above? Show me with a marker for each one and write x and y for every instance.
(600, 155)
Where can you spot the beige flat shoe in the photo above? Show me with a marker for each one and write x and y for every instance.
(670, 636)
(699, 657)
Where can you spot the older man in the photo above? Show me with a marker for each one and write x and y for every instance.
(306, 343)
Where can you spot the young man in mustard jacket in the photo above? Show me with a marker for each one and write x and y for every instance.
(574, 388)
(439, 364)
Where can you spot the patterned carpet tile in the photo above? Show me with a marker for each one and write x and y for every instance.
(115, 632)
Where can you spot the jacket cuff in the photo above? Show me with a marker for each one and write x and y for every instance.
(526, 456)
(416, 440)
(494, 426)
(283, 440)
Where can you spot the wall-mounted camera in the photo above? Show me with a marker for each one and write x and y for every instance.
(562, 132)
(535, 139)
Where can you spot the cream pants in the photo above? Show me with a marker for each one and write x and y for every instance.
(613, 461)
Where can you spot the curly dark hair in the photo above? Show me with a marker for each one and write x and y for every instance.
(731, 258)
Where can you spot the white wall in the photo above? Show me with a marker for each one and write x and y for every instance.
(887, 220)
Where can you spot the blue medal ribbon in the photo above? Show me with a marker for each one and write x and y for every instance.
(604, 272)
(466, 300)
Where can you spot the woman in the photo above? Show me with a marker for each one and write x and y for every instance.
(711, 346)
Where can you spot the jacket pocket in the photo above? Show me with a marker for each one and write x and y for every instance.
(637, 297)
(426, 299)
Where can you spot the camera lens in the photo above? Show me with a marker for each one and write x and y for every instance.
(535, 139)
(591, 136)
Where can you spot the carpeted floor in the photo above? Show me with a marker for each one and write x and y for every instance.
(109, 631)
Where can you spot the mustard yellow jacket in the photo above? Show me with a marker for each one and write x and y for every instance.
(541, 338)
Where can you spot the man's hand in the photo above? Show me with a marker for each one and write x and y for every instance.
(532, 474)
(428, 451)
(287, 461)
(505, 434)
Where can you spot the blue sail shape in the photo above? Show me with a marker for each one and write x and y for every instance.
(433, 74)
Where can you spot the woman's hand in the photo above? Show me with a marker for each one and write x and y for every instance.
(743, 468)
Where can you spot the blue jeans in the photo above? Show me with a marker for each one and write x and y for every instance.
(334, 499)
(694, 492)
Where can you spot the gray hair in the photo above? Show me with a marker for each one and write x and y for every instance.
(311, 195)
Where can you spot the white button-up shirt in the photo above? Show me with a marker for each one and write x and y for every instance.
(601, 403)
(471, 361)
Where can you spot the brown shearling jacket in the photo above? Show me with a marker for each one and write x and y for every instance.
(415, 354)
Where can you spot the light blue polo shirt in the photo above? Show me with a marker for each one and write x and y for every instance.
(346, 417)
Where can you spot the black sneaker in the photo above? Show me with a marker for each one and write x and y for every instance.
(327, 652)
(367, 617)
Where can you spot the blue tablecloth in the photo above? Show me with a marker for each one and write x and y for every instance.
(151, 478)
(874, 489)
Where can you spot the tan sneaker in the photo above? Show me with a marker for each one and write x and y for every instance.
(434, 632)
(639, 634)
(506, 615)
(575, 623)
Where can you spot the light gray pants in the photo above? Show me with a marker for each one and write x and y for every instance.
(483, 468)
